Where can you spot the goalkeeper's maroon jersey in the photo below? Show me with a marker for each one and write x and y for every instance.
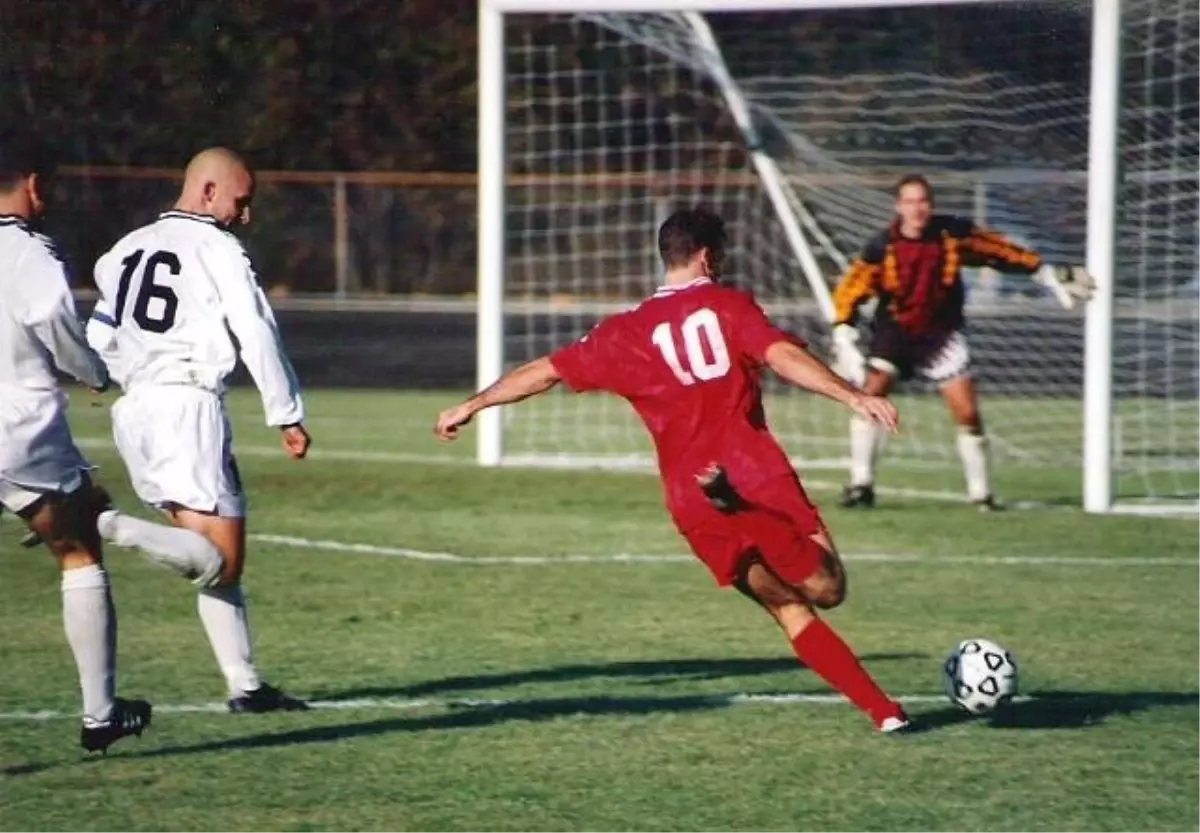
(689, 360)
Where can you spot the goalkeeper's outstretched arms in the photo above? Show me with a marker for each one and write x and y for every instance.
(858, 285)
(530, 379)
(1069, 283)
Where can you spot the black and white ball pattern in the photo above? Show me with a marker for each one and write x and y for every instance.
(980, 675)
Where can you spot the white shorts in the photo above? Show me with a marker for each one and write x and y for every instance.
(939, 362)
(16, 498)
(37, 454)
(178, 446)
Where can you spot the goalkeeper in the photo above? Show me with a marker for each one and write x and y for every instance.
(914, 269)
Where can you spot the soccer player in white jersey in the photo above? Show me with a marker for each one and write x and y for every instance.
(43, 476)
(172, 294)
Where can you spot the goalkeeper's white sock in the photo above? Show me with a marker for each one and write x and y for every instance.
(187, 553)
(865, 440)
(973, 449)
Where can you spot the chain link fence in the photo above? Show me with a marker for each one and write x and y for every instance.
(381, 233)
(312, 233)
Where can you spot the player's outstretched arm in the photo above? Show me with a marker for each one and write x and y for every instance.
(1068, 283)
(530, 379)
(804, 370)
(857, 286)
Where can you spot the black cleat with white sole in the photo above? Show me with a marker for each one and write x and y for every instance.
(266, 698)
(858, 497)
(129, 717)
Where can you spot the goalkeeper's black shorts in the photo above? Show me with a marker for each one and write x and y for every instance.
(937, 357)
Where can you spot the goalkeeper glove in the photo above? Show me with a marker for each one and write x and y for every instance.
(1068, 283)
(848, 360)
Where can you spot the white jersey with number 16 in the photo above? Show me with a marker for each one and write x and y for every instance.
(172, 293)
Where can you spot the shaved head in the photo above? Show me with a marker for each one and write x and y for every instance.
(218, 183)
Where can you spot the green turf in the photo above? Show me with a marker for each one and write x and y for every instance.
(593, 696)
(1035, 441)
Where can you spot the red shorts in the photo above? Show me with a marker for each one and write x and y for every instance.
(778, 528)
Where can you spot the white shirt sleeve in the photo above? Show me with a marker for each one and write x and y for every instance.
(253, 324)
(52, 318)
(101, 332)
(102, 329)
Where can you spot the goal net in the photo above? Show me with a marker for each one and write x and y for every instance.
(612, 120)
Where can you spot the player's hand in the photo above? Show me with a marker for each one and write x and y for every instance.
(295, 441)
(848, 359)
(451, 420)
(878, 409)
(1068, 283)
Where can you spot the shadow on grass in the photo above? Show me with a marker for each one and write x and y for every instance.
(463, 717)
(645, 672)
(1061, 710)
(1047, 710)
(654, 672)
(31, 768)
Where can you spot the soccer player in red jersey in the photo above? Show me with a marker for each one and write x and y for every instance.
(689, 359)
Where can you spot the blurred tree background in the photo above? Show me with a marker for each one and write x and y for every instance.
(390, 84)
(344, 85)
(295, 84)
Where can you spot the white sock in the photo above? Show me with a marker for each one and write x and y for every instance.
(187, 553)
(90, 621)
(223, 612)
(865, 439)
(973, 449)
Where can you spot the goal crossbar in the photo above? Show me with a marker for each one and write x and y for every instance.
(582, 6)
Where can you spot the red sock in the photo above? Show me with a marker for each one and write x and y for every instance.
(822, 650)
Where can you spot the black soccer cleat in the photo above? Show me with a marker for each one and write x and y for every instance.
(31, 539)
(266, 698)
(858, 497)
(714, 482)
(129, 717)
(990, 504)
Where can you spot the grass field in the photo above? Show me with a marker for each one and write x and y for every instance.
(1036, 441)
(485, 662)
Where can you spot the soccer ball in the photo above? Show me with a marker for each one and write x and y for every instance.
(980, 675)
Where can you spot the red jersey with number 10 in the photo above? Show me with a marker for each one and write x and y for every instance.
(689, 359)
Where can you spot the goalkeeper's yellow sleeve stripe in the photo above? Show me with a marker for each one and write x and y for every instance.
(999, 251)
(856, 286)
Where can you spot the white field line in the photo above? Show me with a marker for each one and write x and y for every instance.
(407, 704)
(637, 465)
(333, 455)
(668, 558)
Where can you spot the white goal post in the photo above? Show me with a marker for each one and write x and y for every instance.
(594, 178)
